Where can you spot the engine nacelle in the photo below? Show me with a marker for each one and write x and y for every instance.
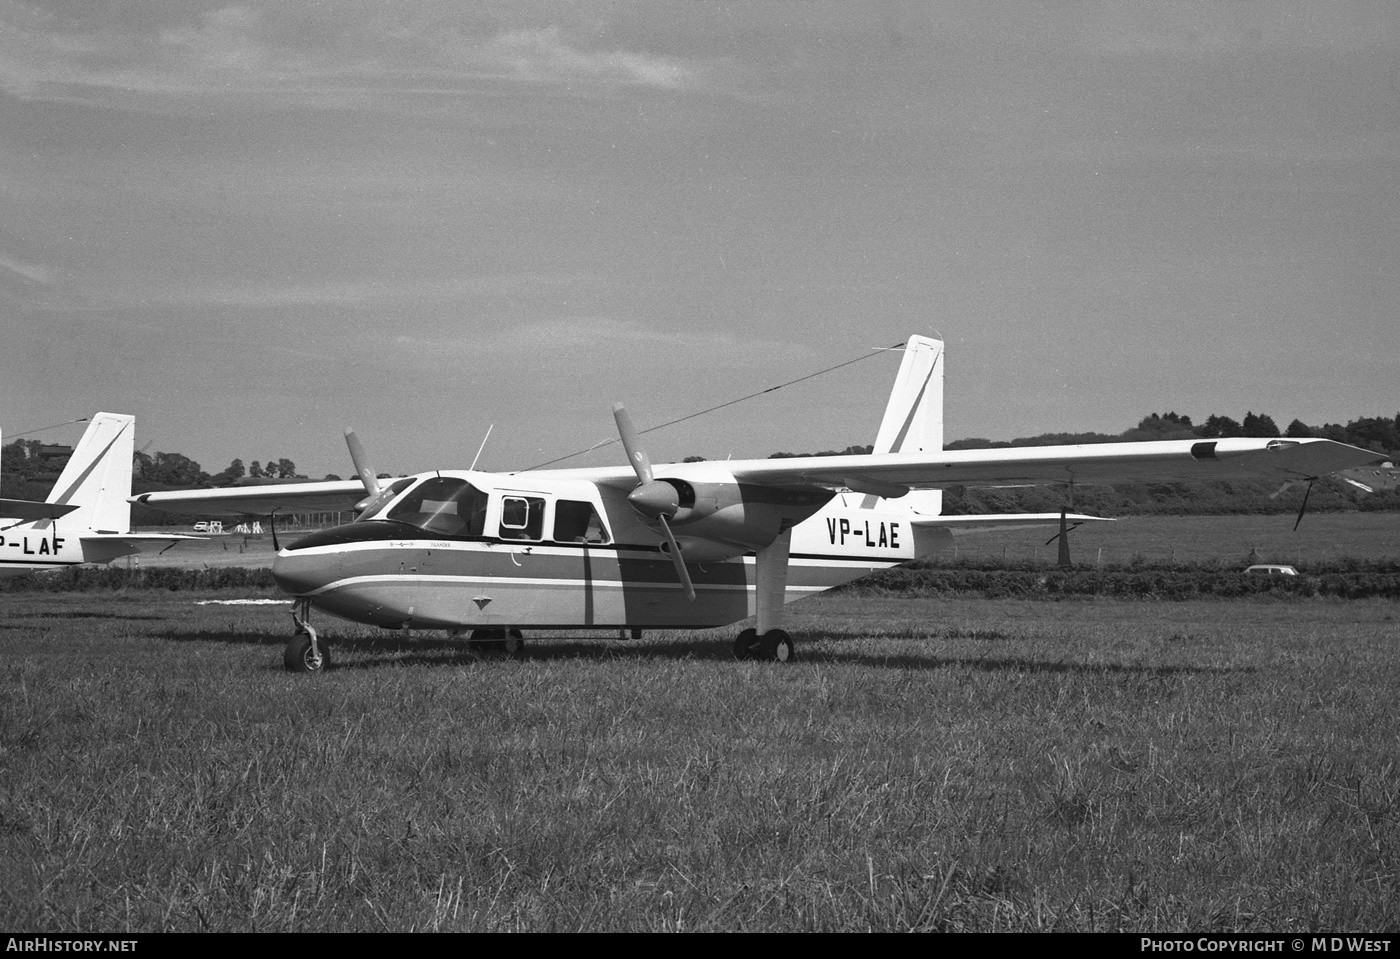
(720, 520)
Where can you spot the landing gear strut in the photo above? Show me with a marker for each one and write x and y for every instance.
(767, 641)
(306, 652)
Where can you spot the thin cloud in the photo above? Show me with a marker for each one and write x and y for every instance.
(543, 56)
(243, 51)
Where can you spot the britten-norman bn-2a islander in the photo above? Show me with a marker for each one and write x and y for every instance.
(684, 545)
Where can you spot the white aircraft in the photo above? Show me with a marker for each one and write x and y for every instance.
(87, 516)
(683, 545)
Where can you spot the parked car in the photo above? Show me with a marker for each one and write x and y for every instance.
(1271, 569)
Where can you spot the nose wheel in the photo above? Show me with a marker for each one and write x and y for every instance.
(306, 652)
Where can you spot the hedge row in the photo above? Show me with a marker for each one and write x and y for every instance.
(98, 578)
(1379, 580)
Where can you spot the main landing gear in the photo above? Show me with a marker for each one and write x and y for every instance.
(499, 641)
(306, 652)
(774, 646)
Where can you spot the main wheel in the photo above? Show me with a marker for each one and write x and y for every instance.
(299, 657)
(487, 640)
(514, 644)
(775, 647)
(745, 644)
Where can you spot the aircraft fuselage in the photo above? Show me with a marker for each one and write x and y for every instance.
(523, 565)
(34, 547)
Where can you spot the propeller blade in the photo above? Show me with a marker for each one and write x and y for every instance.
(361, 461)
(652, 498)
(631, 443)
(681, 571)
(1302, 509)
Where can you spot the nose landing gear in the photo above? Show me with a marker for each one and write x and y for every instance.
(306, 652)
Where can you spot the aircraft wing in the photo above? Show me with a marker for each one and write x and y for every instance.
(258, 500)
(1164, 461)
(28, 510)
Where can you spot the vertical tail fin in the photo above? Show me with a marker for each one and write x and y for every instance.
(913, 421)
(97, 479)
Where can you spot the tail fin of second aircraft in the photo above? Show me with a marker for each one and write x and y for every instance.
(97, 479)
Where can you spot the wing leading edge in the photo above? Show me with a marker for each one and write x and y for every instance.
(259, 500)
(1160, 461)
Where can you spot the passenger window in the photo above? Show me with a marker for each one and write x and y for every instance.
(522, 517)
(576, 522)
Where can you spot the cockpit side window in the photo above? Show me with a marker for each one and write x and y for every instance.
(522, 517)
(452, 507)
(577, 522)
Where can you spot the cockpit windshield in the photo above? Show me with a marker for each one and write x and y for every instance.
(386, 495)
(452, 507)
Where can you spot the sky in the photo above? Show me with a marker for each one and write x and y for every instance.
(255, 224)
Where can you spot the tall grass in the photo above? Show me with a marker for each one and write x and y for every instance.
(927, 764)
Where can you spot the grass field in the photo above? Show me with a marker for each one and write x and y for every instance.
(927, 764)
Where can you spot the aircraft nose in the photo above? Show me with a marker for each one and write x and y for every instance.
(299, 574)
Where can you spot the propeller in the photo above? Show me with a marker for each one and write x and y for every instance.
(1306, 493)
(653, 498)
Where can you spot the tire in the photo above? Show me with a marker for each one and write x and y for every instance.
(745, 644)
(775, 647)
(513, 645)
(298, 657)
(487, 640)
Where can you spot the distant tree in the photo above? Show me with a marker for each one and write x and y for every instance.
(1298, 430)
(235, 470)
(1260, 425)
(21, 458)
(693, 459)
(1166, 423)
(1220, 426)
(286, 469)
(256, 470)
(332, 476)
(1374, 432)
(848, 451)
(1168, 426)
(173, 469)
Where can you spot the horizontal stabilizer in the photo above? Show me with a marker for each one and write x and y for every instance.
(991, 522)
(28, 510)
(105, 547)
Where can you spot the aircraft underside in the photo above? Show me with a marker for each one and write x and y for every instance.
(485, 585)
(490, 590)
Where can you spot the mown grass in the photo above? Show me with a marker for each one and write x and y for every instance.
(927, 764)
